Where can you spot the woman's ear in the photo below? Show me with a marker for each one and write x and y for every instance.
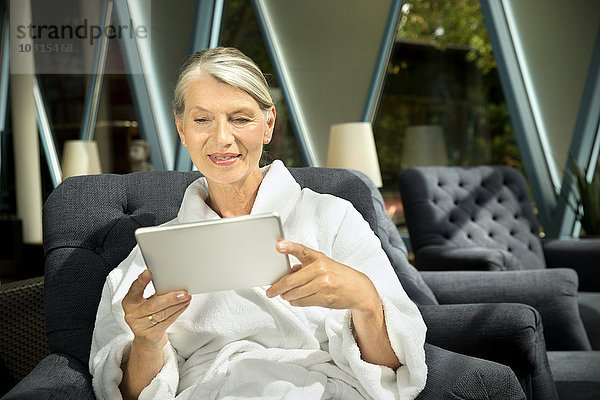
(179, 125)
(270, 125)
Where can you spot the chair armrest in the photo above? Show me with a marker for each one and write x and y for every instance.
(552, 292)
(483, 331)
(439, 258)
(56, 376)
(510, 334)
(457, 376)
(583, 255)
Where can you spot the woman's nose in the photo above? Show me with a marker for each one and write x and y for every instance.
(224, 135)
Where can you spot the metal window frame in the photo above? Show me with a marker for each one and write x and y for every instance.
(526, 130)
(379, 72)
(153, 126)
(92, 100)
(207, 30)
(46, 136)
(4, 72)
(4, 66)
(294, 110)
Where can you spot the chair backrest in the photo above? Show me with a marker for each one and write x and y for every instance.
(89, 225)
(484, 206)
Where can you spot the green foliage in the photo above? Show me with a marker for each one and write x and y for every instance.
(445, 23)
(587, 197)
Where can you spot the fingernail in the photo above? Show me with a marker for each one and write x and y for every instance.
(269, 293)
(180, 296)
(282, 245)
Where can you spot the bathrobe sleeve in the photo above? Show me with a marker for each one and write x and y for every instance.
(357, 246)
(112, 337)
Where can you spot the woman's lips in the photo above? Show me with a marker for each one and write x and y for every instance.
(224, 158)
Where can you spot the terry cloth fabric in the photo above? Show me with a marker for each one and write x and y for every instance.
(241, 344)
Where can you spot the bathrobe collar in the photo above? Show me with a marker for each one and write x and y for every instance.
(278, 192)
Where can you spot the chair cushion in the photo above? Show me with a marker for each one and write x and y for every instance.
(484, 206)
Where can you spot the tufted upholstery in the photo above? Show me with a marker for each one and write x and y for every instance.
(486, 207)
(482, 218)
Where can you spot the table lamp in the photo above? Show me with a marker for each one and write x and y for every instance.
(80, 158)
(424, 145)
(351, 145)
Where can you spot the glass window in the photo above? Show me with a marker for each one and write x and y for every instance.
(442, 102)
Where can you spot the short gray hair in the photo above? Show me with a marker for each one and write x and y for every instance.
(227, 65)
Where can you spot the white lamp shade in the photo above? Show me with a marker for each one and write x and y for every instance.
(424, 145)
(351, 145)
(80, 158)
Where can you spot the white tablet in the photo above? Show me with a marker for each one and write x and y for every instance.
(209, 256)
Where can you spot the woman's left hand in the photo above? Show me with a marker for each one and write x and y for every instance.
(320, 281)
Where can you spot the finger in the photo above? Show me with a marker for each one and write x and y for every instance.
(156, 304)
(304, 254)
(136, 291)
(289, 281)
(162, 316)
(164, 324)
(299, 292)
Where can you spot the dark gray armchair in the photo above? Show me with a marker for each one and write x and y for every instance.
(88, 229)
(481, 218)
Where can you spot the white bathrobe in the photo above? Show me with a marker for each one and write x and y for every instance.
(241, 344)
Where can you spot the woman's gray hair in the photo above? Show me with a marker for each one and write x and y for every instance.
(227, 65)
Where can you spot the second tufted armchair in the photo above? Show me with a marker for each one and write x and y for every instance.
(481, 218)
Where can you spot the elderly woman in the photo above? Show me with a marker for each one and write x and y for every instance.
(338, 326)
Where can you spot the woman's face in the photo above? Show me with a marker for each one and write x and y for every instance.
(224, 130)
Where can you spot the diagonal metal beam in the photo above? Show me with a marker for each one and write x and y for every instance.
(207, 28)
(155, 125)
(92, 100)
(517, 98)
(4, 67)
(294, 109)
(46, 136)
(380, 70)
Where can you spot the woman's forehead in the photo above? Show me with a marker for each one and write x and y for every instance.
(207, 92)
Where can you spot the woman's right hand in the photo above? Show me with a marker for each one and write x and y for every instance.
(149, 318)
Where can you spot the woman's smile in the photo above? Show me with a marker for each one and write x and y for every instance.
(224, 158)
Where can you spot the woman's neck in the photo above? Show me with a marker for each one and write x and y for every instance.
(231, 200)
